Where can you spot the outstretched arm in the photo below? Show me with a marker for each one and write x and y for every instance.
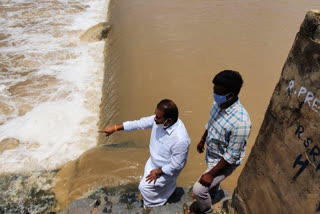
(143, 123)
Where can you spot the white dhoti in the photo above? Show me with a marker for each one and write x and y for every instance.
(156, 194)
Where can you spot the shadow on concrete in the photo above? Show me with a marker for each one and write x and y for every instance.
(176, 195)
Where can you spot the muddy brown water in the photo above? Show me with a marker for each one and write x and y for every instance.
(172, 49)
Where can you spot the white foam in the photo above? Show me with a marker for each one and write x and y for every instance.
(58, 128)
(48, 123)
(2, 87)
(90, 19)
(55, 126)
(79, 71)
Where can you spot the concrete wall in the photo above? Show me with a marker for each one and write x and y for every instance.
(282, 174)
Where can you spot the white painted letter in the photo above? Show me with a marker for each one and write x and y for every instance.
(314, 104)
(302, 90)
(291, 85)
(309, 97)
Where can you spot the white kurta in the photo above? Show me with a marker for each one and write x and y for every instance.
(168, 151)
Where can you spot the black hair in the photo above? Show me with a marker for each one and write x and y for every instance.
(169, 108)
(229, 79)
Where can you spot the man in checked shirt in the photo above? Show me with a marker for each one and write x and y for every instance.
(225, 136)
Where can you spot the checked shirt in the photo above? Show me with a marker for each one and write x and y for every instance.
(228, 132)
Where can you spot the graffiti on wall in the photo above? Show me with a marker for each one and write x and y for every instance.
(302, 92)
(310, 156)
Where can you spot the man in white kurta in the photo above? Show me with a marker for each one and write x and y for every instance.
(169, 146)
(168, 151)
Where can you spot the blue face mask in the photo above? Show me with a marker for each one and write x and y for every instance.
(220, 99)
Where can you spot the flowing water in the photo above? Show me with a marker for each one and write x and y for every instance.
(50, 81)
(50, 91)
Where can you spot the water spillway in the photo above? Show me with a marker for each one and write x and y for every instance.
(50, 83)
(50, 90)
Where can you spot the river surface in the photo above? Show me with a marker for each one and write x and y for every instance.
(173, 48)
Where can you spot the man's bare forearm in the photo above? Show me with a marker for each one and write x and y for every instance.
(221, 165)
(205, 134)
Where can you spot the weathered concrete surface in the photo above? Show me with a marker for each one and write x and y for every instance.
(125, 199)
(282, 172)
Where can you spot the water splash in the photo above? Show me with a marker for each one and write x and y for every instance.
(50, 83)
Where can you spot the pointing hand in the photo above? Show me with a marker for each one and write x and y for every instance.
(108, 130)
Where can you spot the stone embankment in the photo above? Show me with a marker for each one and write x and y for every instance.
(126, 200)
